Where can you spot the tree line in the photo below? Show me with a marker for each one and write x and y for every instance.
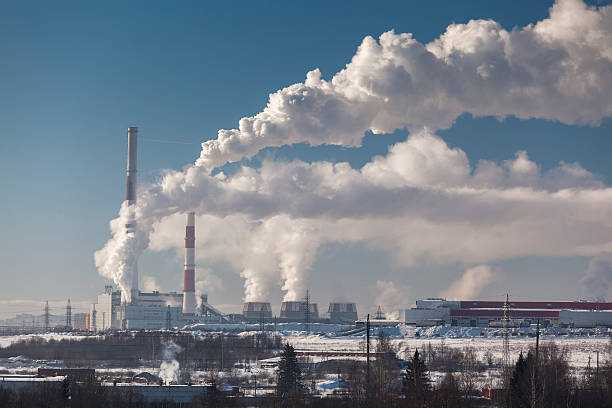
(202, 352)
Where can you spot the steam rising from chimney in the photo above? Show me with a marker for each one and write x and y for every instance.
(559, 68)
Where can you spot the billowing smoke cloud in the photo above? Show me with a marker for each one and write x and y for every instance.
(269, 222)
(423, 200)
(557, 69)
(598, 279)
(169, 368)
(117, 259)
(471, 283)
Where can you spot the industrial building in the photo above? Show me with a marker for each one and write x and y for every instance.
(342, 312)
(437, 311)
(151, 310)
(156, 310)
(295, 311)
(79, 321)
(257, 310)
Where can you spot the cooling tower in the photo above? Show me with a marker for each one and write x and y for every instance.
(296, 311)
(342, 312)
(257, 310)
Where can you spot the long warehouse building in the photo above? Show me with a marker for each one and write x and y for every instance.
(435, 311)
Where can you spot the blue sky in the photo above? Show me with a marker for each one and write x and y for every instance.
(74, 75)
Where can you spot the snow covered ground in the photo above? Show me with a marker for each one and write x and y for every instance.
(6, 341)
(580, 343)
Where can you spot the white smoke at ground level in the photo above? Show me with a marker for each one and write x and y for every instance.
(169, 368)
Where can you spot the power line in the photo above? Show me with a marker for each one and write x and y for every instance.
(166, 141)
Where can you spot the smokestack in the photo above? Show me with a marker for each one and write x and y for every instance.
(189, 299)
(130, 196)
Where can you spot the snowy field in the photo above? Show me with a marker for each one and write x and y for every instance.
(579, 348)
(6, 341)
(580, 343)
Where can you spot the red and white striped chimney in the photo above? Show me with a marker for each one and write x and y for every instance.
(189, 299)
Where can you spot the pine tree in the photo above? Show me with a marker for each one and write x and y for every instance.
(520, 383)
(416, 382)
(289, 374)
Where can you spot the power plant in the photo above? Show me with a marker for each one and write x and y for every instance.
(157, 310)
(153, 310)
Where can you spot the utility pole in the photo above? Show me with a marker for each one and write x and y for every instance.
(534, 369)
(47, 315)
(261, 321)
(368, 356)
(168, 319)
(307, 315)
(68, 315)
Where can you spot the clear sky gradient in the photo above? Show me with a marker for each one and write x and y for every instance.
(74, 75)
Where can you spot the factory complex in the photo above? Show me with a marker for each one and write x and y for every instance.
(439, 311)
(114, 310)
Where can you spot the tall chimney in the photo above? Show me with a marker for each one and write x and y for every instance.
(130, 196)
(189, 299)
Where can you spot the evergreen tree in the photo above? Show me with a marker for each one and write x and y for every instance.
(520, 383)
(416, 382)
(447, 394)
(289, 374)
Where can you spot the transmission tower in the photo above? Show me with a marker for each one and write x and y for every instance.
(368, 390)
(506, 325)
(168, 319)
(307, 312)
(68, 315)
(262, 326)
(379, 314)
(47, 315)
(92, 320)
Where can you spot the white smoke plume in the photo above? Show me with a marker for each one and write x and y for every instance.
(391, 298)
(471, 283)
(117, 259)
(150, 284)
(598, 278)
(169, 368)
(558, 69)
(423, 200)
